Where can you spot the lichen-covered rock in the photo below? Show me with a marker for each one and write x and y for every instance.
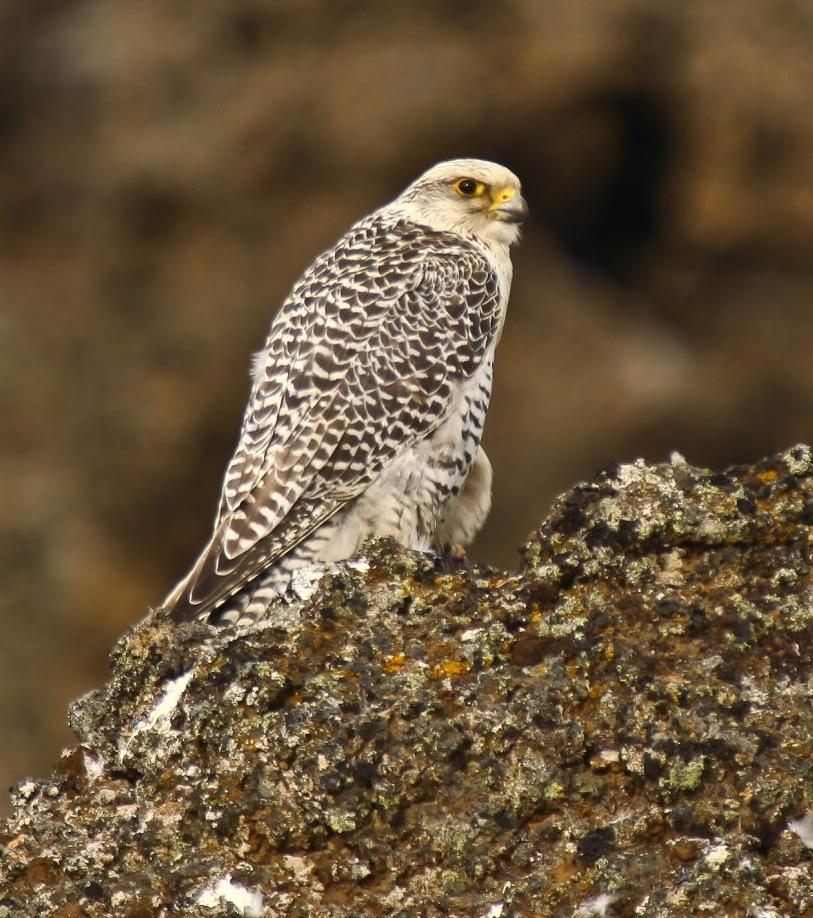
(624, 727)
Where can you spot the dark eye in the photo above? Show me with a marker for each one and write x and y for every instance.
(466, 186)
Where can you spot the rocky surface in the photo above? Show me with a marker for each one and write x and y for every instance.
(167, 171)
(622, 728)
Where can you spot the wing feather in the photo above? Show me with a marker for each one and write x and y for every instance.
(360, 364)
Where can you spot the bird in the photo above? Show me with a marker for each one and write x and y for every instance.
(369, 397)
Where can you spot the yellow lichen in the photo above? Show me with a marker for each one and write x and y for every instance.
(394, 663)
(447, 668)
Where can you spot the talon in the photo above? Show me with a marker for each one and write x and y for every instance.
(453, 552)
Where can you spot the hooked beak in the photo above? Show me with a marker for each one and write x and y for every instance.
(509, 206)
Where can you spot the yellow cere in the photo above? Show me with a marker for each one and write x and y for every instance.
(501, 195)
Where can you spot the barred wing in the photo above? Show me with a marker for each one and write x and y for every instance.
(361, 363)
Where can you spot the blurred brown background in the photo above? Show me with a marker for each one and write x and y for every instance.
(167, 171)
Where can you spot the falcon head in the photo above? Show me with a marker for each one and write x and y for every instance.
(469, 196)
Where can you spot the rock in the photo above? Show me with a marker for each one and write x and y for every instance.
(167, 176)
(622, 728)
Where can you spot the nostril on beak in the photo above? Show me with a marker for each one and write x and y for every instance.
(514, 210)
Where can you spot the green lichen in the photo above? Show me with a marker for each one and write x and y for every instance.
(629, 714)
(685, 776)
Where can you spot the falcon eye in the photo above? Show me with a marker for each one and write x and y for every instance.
(468, 187)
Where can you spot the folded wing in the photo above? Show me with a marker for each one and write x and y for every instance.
(360, 364)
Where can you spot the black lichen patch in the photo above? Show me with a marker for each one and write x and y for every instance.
(630, 715)
(595, 844)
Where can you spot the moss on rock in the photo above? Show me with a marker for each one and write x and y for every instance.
(624, 724)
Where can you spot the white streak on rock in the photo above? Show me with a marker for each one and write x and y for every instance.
(595, 907)
(248, 902)
(159, 716)
(803, 828)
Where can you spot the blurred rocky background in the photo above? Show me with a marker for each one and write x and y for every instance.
(168, 170)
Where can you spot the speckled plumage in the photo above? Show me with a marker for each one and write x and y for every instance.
(369, 397)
